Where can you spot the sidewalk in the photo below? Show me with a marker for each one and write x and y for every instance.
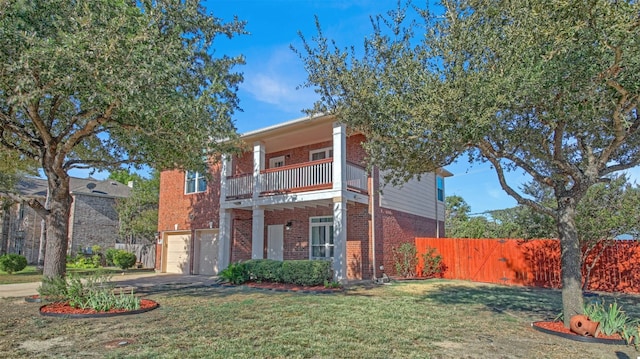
(142, 280)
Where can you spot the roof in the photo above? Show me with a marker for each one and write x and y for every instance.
(37, 187)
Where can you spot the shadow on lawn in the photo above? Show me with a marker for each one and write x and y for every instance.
(532, 303)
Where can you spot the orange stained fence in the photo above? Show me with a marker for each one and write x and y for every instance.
(533, 262)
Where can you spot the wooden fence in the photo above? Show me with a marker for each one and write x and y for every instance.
(533, 262)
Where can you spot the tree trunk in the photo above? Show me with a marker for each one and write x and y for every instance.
(4, 231)
(572, 300)
(57, 224)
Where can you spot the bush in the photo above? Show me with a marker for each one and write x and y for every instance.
(235, 273)
(432, 263)
(124, 259)
(109, 256)
(306, 272)
(405, 259)
(53, 288)
(264, 270)
(82, 262)
(11, 263)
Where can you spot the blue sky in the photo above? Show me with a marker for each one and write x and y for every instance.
(272, 72)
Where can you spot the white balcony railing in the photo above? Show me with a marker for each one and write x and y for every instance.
(291, 178)
(306, 176)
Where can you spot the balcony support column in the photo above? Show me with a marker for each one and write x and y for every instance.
(224, 224)
(340, 239)
(258, 167)
(339, 157)
(257, 233)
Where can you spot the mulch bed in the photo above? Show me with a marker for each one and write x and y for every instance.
(557, 328)
(63, 309)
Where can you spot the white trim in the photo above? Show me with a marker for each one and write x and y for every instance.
(274, 160)
(329, 230)
(328, 153)
(198, 177)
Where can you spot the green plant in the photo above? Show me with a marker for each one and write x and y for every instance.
(613, 320)
(405, 259)
(332, 284)
(109, 255)
(306, 272)
(264, 270)
(235, 273)
(53, 288)
(12, 263)
(432, 263)
(124, 259)
(82, 262)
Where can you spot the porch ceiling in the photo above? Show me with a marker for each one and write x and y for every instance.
(295, 134)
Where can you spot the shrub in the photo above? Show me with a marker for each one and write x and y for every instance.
(405, 259)
(82, 262)
(109, 256)
(235, 273)
(53, 288)
(11, 263)
(306, 272)
(613, 320)
(124, 259)
(264, 270)
(432, 263)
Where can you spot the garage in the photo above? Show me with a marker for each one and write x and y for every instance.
(177, 253)
(206, 252)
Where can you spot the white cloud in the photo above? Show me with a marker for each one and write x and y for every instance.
(274, 79)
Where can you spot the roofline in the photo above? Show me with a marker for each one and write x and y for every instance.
(284, 124)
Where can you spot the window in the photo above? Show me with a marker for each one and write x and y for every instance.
(194, 182)
(320, 154)
(276, 162)
(440, 184)
(321, 237)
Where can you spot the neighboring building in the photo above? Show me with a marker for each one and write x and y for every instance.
(300, 193)
(93, 219)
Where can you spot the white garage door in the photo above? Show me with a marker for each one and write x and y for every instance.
(206, 252)
(178, 253)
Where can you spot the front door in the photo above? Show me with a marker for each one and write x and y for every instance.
(275, 242)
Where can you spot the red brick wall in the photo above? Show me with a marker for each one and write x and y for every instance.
(358, 243)
(241, 224)
(296, 239)
(400, 227)
(188, 211)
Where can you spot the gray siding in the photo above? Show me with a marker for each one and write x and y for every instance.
(417, 197)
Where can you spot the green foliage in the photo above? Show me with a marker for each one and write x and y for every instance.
(138, 213)
(235, 273)
(551, 91)
(53, 288)
(264, 270)
(92, 292)
(613, 320)
(432, 263)
(81, 261)
(12, 263)
(301, 272)
(124, 82)
(123, 259)
(405, 259)
(109, 255)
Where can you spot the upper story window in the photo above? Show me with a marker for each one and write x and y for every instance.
(195, 182)
(321, 154)
(440, 184)
(275, 162)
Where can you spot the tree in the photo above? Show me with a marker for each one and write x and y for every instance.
(547, 88)
(100, 83)
(138, 214)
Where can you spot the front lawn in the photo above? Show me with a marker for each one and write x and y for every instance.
(419, 319)
(30, 274)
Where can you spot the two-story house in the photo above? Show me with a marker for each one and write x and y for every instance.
(300, 191)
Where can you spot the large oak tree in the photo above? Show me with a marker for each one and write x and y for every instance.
(99, 83)
(549, 88)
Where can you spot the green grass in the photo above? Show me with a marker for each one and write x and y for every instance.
(30, 274)
(421, 319)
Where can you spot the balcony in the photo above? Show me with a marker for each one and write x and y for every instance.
(309, 176)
